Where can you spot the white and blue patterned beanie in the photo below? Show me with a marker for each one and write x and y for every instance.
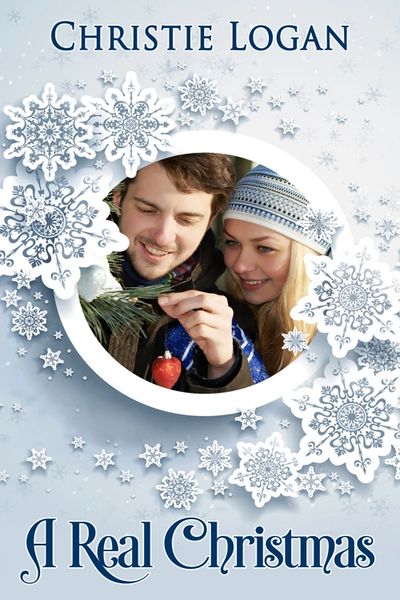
(264, 198)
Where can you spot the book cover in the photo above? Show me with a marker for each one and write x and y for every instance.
(109, 481)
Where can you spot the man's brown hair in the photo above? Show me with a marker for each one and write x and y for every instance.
(203, 172)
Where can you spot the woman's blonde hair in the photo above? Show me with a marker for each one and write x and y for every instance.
(273, 318)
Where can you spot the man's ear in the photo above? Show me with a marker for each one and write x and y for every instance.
(117, 197)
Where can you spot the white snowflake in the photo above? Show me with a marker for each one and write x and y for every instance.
(11, 298)
(395, 461)
(49, 132)
(72, 230)
(320, 225)
(276, 102)
(347, 418)
(295, 341)
(104, 459)
(153, 455)
(387, 227)
(23, 478)
(22, 351)
(361, 214)
(51, 359)
(322, 91)
(288, 127)
(293, 90)
(345, 487)
(349, 298)
(267, 469)
(125, 476)
(326, 159)
(199, 94)
(284, 423)
(256, 85)
(180, 447)
(215, 458)
(353, 187)
(311, 482)
(179, 489)
(23, 279)
(38, 459)
(107, 77)
(131, 124)
(78, 442)
(333, 476)
(58, 335)
(248, 418)
(232, 110)
(378, 355)
(219, 487)
(16, 407)
(29, 320)
(68, 372)
(3, 477)
(185, 120)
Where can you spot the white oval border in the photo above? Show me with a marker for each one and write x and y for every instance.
(215, 404)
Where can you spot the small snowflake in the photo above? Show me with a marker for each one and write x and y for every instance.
(219, 487)
(29, 321)
(51, 359)
(353, 187)
(179, 489)
(395, 461)
(38, 295)
(341, 119)
(333, 476)
(180, 447)
(68, 372)
(311, 356)
(78, 442)
(256, 85)
(293, 90)
(311, 482)
(108, 77)
(320, 225)
(276, 102)
(58, 335)
(152, 455)
(267, 469)
(345, 487)
(215, 458)
(327, 159)
(80, 84)
(185, 120)
(125, 476)
(23, 479)
(11, 298)
(248, 418)
(49, 132)
(295, 341)
(22, 351)
(39, 459)
(199, 94)
(99, 164)
(3, 477)
(284, 423)
(104, 459)
(232, 110)
(288, 127)
(322, 91)
(387, 227)
(16, 407)
(361, 214)
(23, 279)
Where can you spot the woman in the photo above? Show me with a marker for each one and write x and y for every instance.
(264, 249)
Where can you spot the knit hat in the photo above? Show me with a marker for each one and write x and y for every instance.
(264, 198)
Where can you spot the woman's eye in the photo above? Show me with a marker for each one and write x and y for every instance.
(231, 243)
(146, 210)
(264, 249)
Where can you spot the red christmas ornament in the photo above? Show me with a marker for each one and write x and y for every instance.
(166, 370)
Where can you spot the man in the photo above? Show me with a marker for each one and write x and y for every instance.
(166, 212)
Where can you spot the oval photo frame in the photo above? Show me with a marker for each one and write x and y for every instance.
(215, 404)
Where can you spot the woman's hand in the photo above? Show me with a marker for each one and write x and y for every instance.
(207, 318)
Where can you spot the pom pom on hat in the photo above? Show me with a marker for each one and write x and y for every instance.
(264, 198)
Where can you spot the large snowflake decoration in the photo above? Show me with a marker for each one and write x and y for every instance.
(52, 228)
(267, 469)
(347, 418)
(131, 124)
(199, 94)
(215, 458)
(179, 489)
(51, 359)
(378, 355)
(295, 341)
(320, 225)
(351, 299)
(29, 320)
(39, 459)
(49, 132)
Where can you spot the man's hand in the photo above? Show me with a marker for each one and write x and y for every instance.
(207, 318)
